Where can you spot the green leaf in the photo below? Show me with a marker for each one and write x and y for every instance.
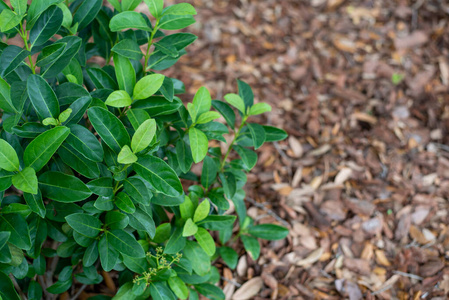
(42, 97)
(74, 71)
(137, 190)
(125, 243)
(50, 121)
(9, 20)
(162, 233)
(190, 228)
(186, 208)
(184, 155)
(273, 134)
(159, 174)
(198, 257)
(109, 127)
(86, 13)
(36, 8)
(85, 224)
(34, 291)
(167, 89)
(108, 255)
(159, 289)
(50, 53)
(20, 6)
(209, 172)
(178, 287)
(143, 135)
(207, 117)
(67, 18)
(198, 144)
(101, 79)
(65, 115)
(229, 256)
(46, 26)
(7, 290)
(5, 180)
(91, 254)
(202, 101)
(136, 117)
(116, 5)
(119, 99)
(126, 76)
(73, 44)
(128, 48)
(210, 291)
(18, 227)
(155, 7)
(85, 142)
(148, 86)
(248, 156)
(226, 111)
(101, 186)
(41, 149)
(251, 245)
(236, 101)
(257, 134)
(259, 108)
(215, 222)
(11, 58)
(206, 241)
(124, 203)
(142, 221)
(202, 211)
(176, 242)
(26, 180)
(175, 22)
(128, 20)
(116, 220)
(268, 232)
(77, 161)
(158, 106)
(130, 4)
(35, 203)
(9, 160)
(126, 156)
(180, 9)
(62, 187)
(246, 93)
(5, 97)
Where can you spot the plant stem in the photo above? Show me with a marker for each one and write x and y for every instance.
(236, 136)
(23, 34)
(150, 43)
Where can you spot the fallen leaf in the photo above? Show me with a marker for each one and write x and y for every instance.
(249, 289)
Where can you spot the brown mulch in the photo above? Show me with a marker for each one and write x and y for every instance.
(363, 180)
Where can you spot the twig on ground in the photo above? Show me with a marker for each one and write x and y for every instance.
(231, 281)
(78, 293)
(267, 210)
(408, 275)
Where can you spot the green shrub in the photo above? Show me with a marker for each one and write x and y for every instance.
(92, 157)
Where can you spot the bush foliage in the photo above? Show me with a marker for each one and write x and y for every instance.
(92, 156)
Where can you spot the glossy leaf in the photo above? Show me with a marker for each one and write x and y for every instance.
(128, 48)
(42, 97)
(42, 148)
(180, 9)
(124, 243)
(190, 228)
(9, 160)
(5, 97)
(119, 99)
(143, 135)
(86, 13)
(7, 290)
(268, 232)
(109, 127)
(206, 241)
(46, 26)
(35, 203)
(155, 7)
(128, 20)
(236, 101)
(63, 188)
(226, 111)
(175, 22)
(26, 180)
(257, 134)
(198, 143)
(124, 203)
(83, 140)
(159, 174)
(18, 227)
(147, 86)
(126, 75)
(137, 190)
(85, 224)
(209, 172)
(11, 58)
